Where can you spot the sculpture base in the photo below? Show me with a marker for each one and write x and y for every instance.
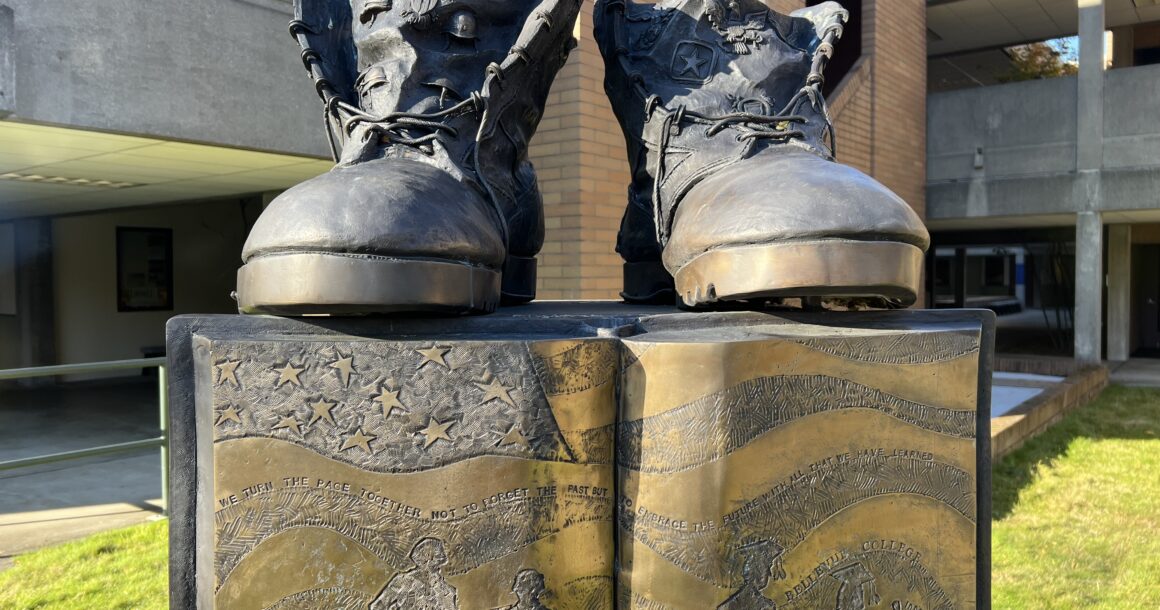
(581, 455)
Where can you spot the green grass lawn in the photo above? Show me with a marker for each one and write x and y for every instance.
(1077, 510)
(119, 570)
(1077, 525)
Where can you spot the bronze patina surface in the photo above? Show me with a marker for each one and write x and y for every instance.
(799, 466)
(433, 205)
(581, 456)
(735, 193)
(412, 475)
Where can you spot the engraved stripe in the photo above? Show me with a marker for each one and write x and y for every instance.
(790, 511)
(330, 597)
(472, 540)
(907, 348)
(711, 427)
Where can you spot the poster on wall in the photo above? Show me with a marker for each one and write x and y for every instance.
(7, 269)
(144, 269)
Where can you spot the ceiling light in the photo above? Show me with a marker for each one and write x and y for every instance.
(109, 184)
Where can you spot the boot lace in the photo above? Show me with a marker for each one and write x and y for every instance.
(412, 129)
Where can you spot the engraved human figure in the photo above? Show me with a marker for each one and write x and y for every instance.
(422, 587)
(762, 561)
(528, 587)
(857, 589)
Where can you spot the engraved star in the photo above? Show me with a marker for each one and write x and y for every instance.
(345, 368)
(230, 413)
(515, 436)
(693, 63)
(436, 430)
(359, 439)
(228, 372)
(434, 354)
(290, 423)
(322, 411)
(494, 390)
(390, 401)
(288, 374)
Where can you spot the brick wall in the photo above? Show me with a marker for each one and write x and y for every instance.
(579, 156)
(879, 114)
(895, 37)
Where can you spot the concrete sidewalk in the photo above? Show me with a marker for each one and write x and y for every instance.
(54, 503)
(1137, 372)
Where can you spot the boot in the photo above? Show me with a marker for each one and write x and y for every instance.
(433, 205)
(731, 150)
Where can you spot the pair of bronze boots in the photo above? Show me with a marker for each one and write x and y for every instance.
(434, 206)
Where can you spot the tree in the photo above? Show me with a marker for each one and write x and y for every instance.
(1039, 60)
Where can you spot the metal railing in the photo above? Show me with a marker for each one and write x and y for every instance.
(161, 441)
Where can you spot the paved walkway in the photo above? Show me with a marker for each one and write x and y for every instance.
(1009, 390)
(1140, 372)
(54, 503)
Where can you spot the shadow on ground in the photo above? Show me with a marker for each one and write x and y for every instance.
(1119, 412)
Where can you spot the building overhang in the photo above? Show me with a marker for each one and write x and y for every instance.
(50, 171)
(955, 26)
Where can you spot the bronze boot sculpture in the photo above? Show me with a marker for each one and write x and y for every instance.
(735, 189)
(433, 205)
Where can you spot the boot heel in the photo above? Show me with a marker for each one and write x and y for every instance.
(519, 280)
(648, 282)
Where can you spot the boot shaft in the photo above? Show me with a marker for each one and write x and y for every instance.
(410, 73)
(420, 57)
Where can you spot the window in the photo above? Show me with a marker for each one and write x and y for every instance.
(144, 269)
(995, 271)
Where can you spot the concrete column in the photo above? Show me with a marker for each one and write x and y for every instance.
(1090, 86)
(1089, 285)
(7, 61)
(1119, 291)
(1088, 190)
(34, 290)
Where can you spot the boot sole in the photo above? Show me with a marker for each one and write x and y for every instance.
(325, 283)
(815, 268)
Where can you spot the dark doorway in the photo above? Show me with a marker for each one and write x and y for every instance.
(1146, 300)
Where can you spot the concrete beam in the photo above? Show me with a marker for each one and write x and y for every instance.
(213, 71)
(1089, 287)
(1119, 291)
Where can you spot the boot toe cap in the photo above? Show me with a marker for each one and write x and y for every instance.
(788, 196)
(387, 207)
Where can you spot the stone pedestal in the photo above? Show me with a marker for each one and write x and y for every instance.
(762, 460)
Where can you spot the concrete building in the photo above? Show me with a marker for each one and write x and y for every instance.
(124, 113)
(1064, 172)
(188, 117)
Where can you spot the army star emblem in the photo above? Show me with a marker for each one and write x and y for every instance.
(693, 62)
